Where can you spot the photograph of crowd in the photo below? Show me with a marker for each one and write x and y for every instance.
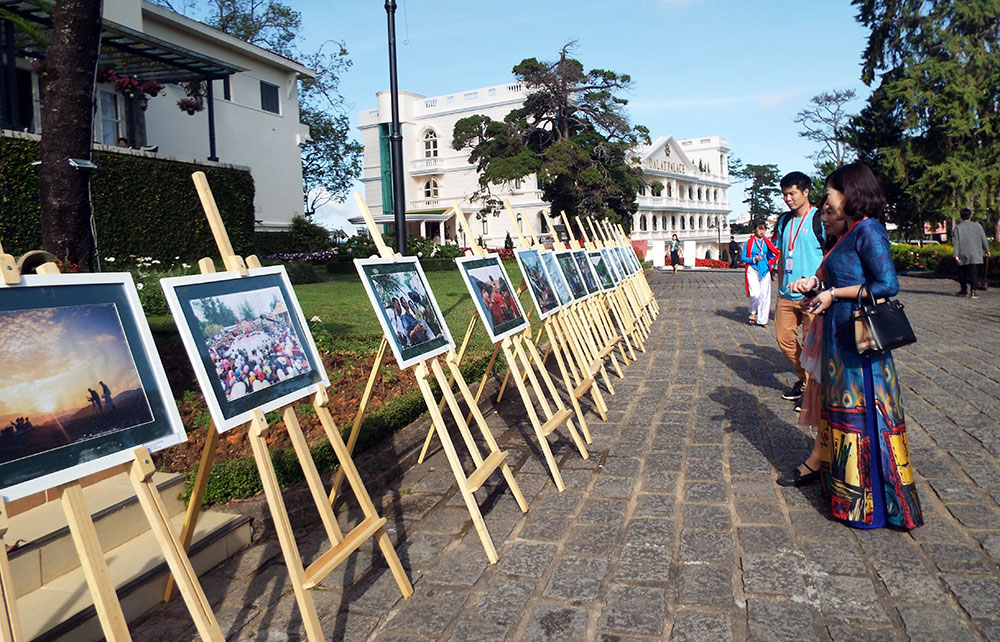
(248, 341)
(601, 269)
(405, 308)
(571, 271)
(493, 294)
(71, 392)
(609, 261)
(589, 278)
(556, 277)
(541, 289)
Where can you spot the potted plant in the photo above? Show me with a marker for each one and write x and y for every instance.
(190, 105)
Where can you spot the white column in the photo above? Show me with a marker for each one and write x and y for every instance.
(657, 253)
(690, 250)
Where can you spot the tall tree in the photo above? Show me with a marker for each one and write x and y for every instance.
(825, 122)
(763, 189)
(572, 132)
(67, 123)
(937, 64)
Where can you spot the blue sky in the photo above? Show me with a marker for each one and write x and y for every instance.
(740, 69)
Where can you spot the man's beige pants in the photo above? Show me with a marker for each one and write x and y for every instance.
(788, 318)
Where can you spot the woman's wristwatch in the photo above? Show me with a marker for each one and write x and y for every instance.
(833, 297)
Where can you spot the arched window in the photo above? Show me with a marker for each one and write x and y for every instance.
(673, 222)
(701, 222)
(691, 223)
(654, 222)
(486, 224)
(642, 222)
(670, 191)
(683, 220)
(520, 223)
(431, 188)
(543, 223)
(642, 190)
(430, 144)
(715, 195)
(699, 193)
(708, 254)
(690, 193)
(663, 223)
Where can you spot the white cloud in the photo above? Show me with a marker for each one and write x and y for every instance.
(334, 215)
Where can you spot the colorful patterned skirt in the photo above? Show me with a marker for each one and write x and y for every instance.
(865, 467)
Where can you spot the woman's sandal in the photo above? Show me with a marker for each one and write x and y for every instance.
(794, 478)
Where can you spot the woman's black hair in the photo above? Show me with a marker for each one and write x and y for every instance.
(863, 196)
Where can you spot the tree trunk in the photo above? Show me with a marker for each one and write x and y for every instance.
(67, 130)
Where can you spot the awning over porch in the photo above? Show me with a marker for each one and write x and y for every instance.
(412, 216)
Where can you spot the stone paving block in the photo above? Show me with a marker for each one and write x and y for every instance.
(654, 505)
(602, 511)
(762, 539)
(847, 631)
(164, 629)
(937, 527)
(978, 515)
(643, 563)
(448, 521)
(613, 487)
(526, 558)
(846, 594)
(763, 513)
(956, 558)
(706, 516)
(633, 609)
(650, 531)
(503, 600)
(979, 596)
(429, 611)
(578, 478)
(753, 465)
(476, 631)
(693, 626)
(773, 574)
(705, 585)
(774, 621)
(375, 594)
(460, 567)
(985, 475)
(954, 490)
(707, 546)
(991, 544)
(804, 497)
(543, 528)
(756, 487)
(576, 578)
(348, 627)
(703, 469)
(596, 540)
(659, 481)
(704, 491)
(551, 623)
(706, 451)
(836, 555)
(934, 623)
(562, 503)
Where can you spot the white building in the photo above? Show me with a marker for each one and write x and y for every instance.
(251, 115)
(694, 175)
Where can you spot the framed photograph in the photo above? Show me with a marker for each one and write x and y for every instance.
(81, 383)
(543, 293)
(609, 261)
(406, 309)
(570, 270)
(633, 258)
(495, 297)
(600, 268)
(622, 261)
(589, 278)
(247, 340)
(556, 277)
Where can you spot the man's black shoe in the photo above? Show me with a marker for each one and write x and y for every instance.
(795, 392)
(798, 405)
(794, 478)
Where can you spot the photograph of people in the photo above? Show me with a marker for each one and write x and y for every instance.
(541, 289)
(493, 294)
(556, 277)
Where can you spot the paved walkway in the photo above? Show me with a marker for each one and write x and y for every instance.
(674, 528)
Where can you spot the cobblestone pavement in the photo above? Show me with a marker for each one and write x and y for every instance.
(674, 528)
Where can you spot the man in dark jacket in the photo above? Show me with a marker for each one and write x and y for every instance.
(970, 247)
(734, 252)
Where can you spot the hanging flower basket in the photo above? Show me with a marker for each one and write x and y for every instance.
(190, 105)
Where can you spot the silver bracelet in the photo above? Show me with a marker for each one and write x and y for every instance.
(833, 297)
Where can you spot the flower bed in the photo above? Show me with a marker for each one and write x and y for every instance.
(711, 263)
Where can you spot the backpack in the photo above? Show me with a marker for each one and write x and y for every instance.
(787, 216)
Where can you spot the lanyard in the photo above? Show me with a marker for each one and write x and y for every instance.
(791, 241)
(822, 271)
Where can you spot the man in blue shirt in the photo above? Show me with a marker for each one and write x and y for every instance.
(799, 237)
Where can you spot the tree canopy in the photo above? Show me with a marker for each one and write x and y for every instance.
(572, 132)
(763, 189)
(930, 128)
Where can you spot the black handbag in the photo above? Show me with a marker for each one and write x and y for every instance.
(880, 326)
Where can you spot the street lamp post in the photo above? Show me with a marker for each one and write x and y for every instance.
(395, 137)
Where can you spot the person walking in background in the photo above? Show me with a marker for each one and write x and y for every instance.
(799, 237)
(861, 455)
(734, 252)
(675, 252)
(970, 248)
(760, 255)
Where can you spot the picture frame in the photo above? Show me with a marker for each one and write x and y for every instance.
(556, 277)
(609, 260)
(589, 278)
(82, 385)
(247, 340)
(622, 261)
(417, 332)
(494, 295)
(540, 286)
(571, 272)
(600, 267)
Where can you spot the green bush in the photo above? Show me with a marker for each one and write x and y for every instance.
(447, 252)
(269, 243)
(142, 206)
(438, 265)
(301, 273)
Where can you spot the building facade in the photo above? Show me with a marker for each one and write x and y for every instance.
(249, 98)
(693, 172)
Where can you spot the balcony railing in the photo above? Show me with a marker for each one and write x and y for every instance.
(426, 166)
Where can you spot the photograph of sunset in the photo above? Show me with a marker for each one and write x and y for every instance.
(67, 376)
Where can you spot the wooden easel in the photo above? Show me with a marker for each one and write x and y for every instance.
(88, 547)
(303, 579)
(496, 459)
(572, 335)
(644, 293)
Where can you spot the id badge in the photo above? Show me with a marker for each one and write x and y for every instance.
(788, 265)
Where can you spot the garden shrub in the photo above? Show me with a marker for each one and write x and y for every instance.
(301, 273)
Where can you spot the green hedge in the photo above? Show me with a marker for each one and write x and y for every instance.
(142, 206)
(930, 258)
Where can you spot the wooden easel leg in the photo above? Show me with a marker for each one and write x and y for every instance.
(197, 496)
(533, 353)
(10, 623)
(364, 499)
(141, 476)
(352, 438)
(313, 481)
(95, 569)
(456, 465)
(461, 355)
(486, 376)
(283, 527)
